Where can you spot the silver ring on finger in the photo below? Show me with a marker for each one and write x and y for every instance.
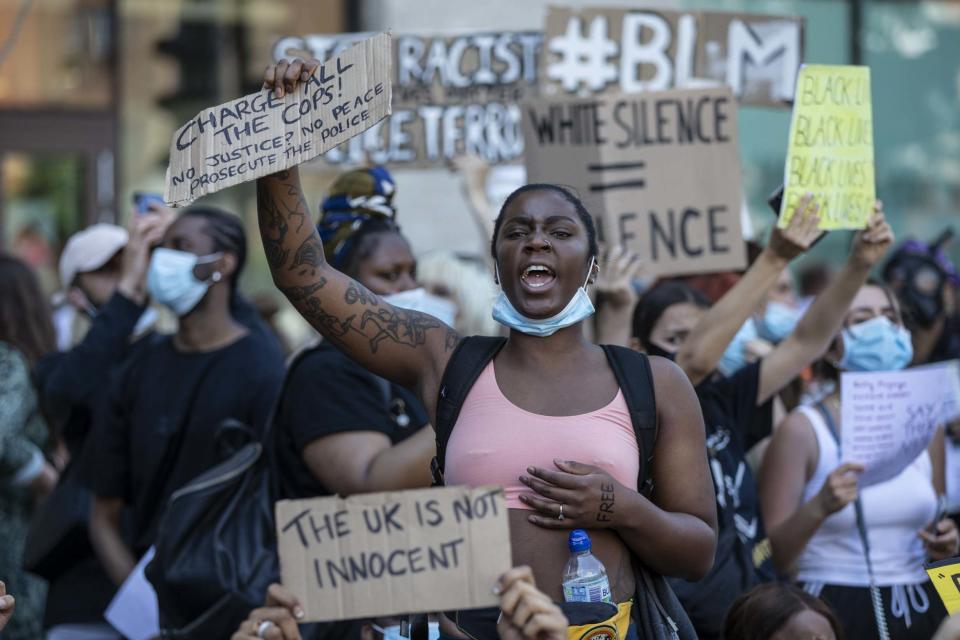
(560, 515)
(263, 627)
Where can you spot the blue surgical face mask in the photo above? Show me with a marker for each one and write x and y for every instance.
(419, 300)
(778, 321)
(578, 309)
(735, 357)
(171, 282)
(876, 345)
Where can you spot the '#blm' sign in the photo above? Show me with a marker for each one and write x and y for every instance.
(384, 554)
(661, 171)
(260, 134)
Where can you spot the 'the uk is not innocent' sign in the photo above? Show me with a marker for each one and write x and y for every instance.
(260, 134)
(382, 554)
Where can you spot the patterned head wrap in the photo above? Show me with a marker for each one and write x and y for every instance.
(355, 198)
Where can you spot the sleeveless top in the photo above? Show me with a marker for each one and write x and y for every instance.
(495, 441)
(893, 511)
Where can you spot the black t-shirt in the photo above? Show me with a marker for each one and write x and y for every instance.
(326, 393)
(734, 423)
(147, 407)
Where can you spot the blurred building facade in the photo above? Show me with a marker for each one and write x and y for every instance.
(91, 91)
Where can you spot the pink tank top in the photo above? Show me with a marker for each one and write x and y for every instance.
(494, 441)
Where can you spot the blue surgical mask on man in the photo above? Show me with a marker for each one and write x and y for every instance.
(778, 321)
(171, 282)
(578, 309)
(876, 345)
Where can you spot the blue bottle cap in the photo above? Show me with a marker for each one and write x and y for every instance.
(579, 541)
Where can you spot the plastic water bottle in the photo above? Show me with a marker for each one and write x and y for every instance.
(584, 577)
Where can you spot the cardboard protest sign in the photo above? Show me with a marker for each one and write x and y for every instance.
(383, 554)
(614, 50)
(888, 418)
(260, 134)
(453, 94)
(661, 170)
(945, 576)
(830, 152)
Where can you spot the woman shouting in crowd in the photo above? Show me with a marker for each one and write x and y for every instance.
(862, 551)
(547, 417)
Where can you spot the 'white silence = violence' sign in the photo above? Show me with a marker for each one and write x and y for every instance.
(659, 169)
(384, 554)
(260, 134)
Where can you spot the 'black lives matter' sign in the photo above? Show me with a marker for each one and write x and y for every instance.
(660, 171)
(384, 554)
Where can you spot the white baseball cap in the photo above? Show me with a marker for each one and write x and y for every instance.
(90, 249)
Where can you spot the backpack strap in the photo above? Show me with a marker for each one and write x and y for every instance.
(635, 378)
(466, 364)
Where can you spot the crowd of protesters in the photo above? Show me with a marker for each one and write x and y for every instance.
(742, 501)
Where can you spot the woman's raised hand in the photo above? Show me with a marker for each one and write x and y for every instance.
(800, 233)
(284, 76)
(871, 243)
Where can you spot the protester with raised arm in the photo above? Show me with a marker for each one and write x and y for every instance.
(547, 407)
(676, 321)
(808, 495)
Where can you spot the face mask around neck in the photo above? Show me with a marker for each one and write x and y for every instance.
(171, 282)
(578, 309)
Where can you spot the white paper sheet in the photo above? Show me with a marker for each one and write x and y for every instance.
(890, 417)
(134, 611)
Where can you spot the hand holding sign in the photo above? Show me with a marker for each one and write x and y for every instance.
(800, 233)
(942, 543)
(839, 489)
(872, 243)
(527, 612)
(276, 620)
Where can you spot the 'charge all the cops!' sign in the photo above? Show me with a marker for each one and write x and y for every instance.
(381, 554)
(260, 134)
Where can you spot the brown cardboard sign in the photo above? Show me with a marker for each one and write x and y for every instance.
(453, 94)
(616, 50)
(382, 554)
(661, 171)
(260, 134)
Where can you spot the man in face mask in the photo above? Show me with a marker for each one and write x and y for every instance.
(158, 429)
(103, 270)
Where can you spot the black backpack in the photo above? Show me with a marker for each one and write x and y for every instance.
(657, 611)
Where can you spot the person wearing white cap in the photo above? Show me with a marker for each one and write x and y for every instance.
(103, 271)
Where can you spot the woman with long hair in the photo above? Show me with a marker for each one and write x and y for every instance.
(26, 334)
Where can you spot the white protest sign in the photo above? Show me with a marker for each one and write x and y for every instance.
(890, 417)
(384, 554)
(260, 134)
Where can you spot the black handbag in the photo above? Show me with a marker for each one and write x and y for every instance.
(216, 544)
(215, 547)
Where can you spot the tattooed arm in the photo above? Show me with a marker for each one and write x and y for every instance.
(408, 347)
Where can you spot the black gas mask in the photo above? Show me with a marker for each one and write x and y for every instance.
(919, 279)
